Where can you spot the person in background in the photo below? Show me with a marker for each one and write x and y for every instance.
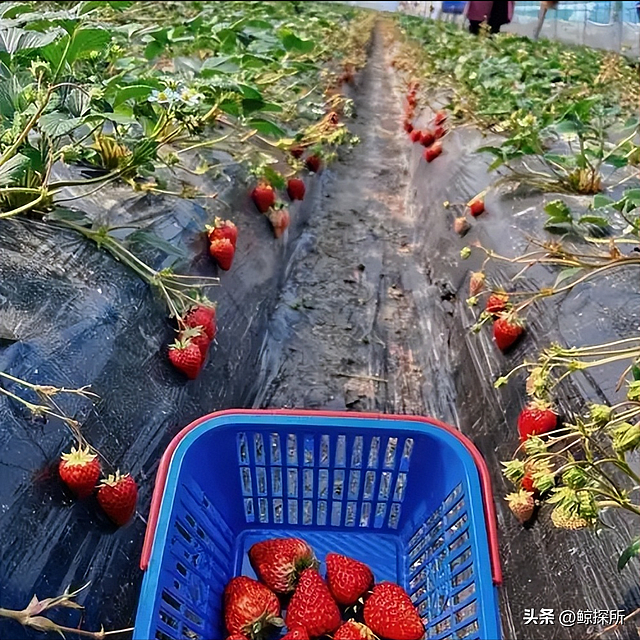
(494, 13)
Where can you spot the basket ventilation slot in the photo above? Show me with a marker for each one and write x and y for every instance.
(293, 479)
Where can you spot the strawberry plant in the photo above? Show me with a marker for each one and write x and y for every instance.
(495, 81)
(570, 154)
(568, 117)
(93, 86)
(583, 466)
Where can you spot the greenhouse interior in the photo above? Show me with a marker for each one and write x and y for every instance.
(408, 408)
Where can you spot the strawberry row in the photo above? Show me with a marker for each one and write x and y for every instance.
(197, 328)
(347, 605)
(538, 417)
(430, 137)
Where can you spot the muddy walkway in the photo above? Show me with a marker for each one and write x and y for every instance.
(354, 327)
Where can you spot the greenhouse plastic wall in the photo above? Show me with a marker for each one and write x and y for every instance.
(604, 25)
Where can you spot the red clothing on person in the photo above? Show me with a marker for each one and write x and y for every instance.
(480, 10)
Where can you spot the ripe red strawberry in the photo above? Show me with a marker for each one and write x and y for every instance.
(440, 117)
(222, 251)
(297, 151)
(347, 578)
(439, 132)
(250, 607)
(299, 633)
(537, 418)
(199, 337)
(353, 631)
(312, 606)
(476, 206)
(264, 197)
(432, 152)
(313, 163)
(506, 330)
(408, 127)
(497, 302)
(427, 138)
(296, 189)
(223, 229)
(390, 613)
(278, 562)
(186, 357)
(416, 135)
(527, 483)
(117, 497)
(80, 471)
(202, 316)
(237, 636)
(280, 220)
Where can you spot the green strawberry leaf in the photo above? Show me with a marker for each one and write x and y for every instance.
(566, 274)
(68, 215)
(596, 220)
(153, 50)
(567, 128)
(12, 169)
(58, 124)
(14, 39)
(133, 92)
(617, 161)
(631, 551)
(558, 211)
(633, 196)
(291, 42)
(600, 201)
(273, 177)
(267, 128)
(496, 151)
(220, 64)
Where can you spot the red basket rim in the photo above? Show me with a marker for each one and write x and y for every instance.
(483, 471)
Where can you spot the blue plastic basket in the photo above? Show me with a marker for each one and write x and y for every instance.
(453, 7)
(401, 493)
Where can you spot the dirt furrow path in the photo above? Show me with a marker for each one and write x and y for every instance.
(350, 328)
